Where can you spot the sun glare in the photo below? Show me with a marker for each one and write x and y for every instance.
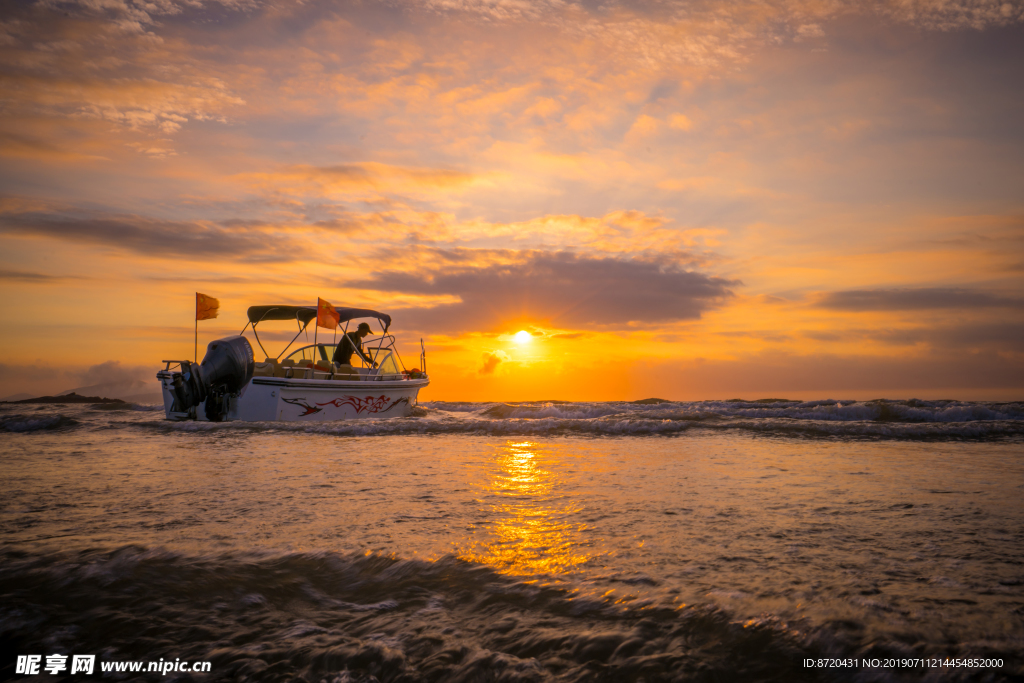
(523, 337)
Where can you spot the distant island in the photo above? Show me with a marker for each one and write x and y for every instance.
(67, 398)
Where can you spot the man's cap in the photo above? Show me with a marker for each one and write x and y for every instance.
(363, 326)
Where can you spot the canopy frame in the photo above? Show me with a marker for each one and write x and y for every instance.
(303, 315)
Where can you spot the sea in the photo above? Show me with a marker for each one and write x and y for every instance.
(829, 540)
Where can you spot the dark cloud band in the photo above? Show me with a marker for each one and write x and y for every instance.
(146, 236)
(562, 288)
(913, 299)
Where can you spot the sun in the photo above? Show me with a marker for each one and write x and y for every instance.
(523, 337)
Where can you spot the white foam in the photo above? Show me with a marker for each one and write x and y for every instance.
(874, 419)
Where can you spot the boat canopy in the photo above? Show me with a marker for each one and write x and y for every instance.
(305, 314)
(302, 313)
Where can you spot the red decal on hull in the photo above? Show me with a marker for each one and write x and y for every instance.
(362, 405)
(310, 410)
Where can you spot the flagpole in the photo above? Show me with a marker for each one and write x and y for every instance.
(195, 346)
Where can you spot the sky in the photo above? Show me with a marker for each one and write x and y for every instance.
(689, 200)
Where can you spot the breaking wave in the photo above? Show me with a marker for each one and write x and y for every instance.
(913, 419)
(311, 616)
(830, 418)
(913, 410)
(35, 423)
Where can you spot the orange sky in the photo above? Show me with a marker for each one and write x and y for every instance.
(687, 200)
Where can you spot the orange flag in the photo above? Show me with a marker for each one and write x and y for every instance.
(326, 316)
(206, 307)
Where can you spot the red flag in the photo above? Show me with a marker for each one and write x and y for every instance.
(326, 316)
(206, 307)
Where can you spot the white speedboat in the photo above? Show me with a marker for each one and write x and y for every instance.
(303, 386)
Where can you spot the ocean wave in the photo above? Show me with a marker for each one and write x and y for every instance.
(36, 423)
(316, 615)
(548, 410)
(880, 410)
(831, 418)
(148, 407)
(137, 407)
(456, 406)
(618, 425)
(367, 617)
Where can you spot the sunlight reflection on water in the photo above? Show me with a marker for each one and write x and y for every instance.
(534, 525)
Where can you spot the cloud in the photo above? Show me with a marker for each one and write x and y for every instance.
(134, 16)
(358, 178)
(109, 378)
(819, 375)
(760, 335)
(559, 288)
(100, 62)
(929, 13)
(499, 10)
(680, 122)
(643, 127)
(808, 31)
(1000, 337)
(617, 232)
(491, 362)
(29, 277)
(149, 236)
(924, 298)
(712, 32)
(825, 336)
(951, 15)
(29, 147)
(112, 371)
(329, 231)
(19, 377)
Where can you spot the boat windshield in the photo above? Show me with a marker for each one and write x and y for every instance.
(388, 366)
(314, 353)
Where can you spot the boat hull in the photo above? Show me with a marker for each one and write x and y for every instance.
(276, 399)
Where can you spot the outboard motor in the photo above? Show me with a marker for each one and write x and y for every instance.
(226, 370)
(189, 388)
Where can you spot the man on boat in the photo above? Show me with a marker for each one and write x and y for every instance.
(352, 342)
